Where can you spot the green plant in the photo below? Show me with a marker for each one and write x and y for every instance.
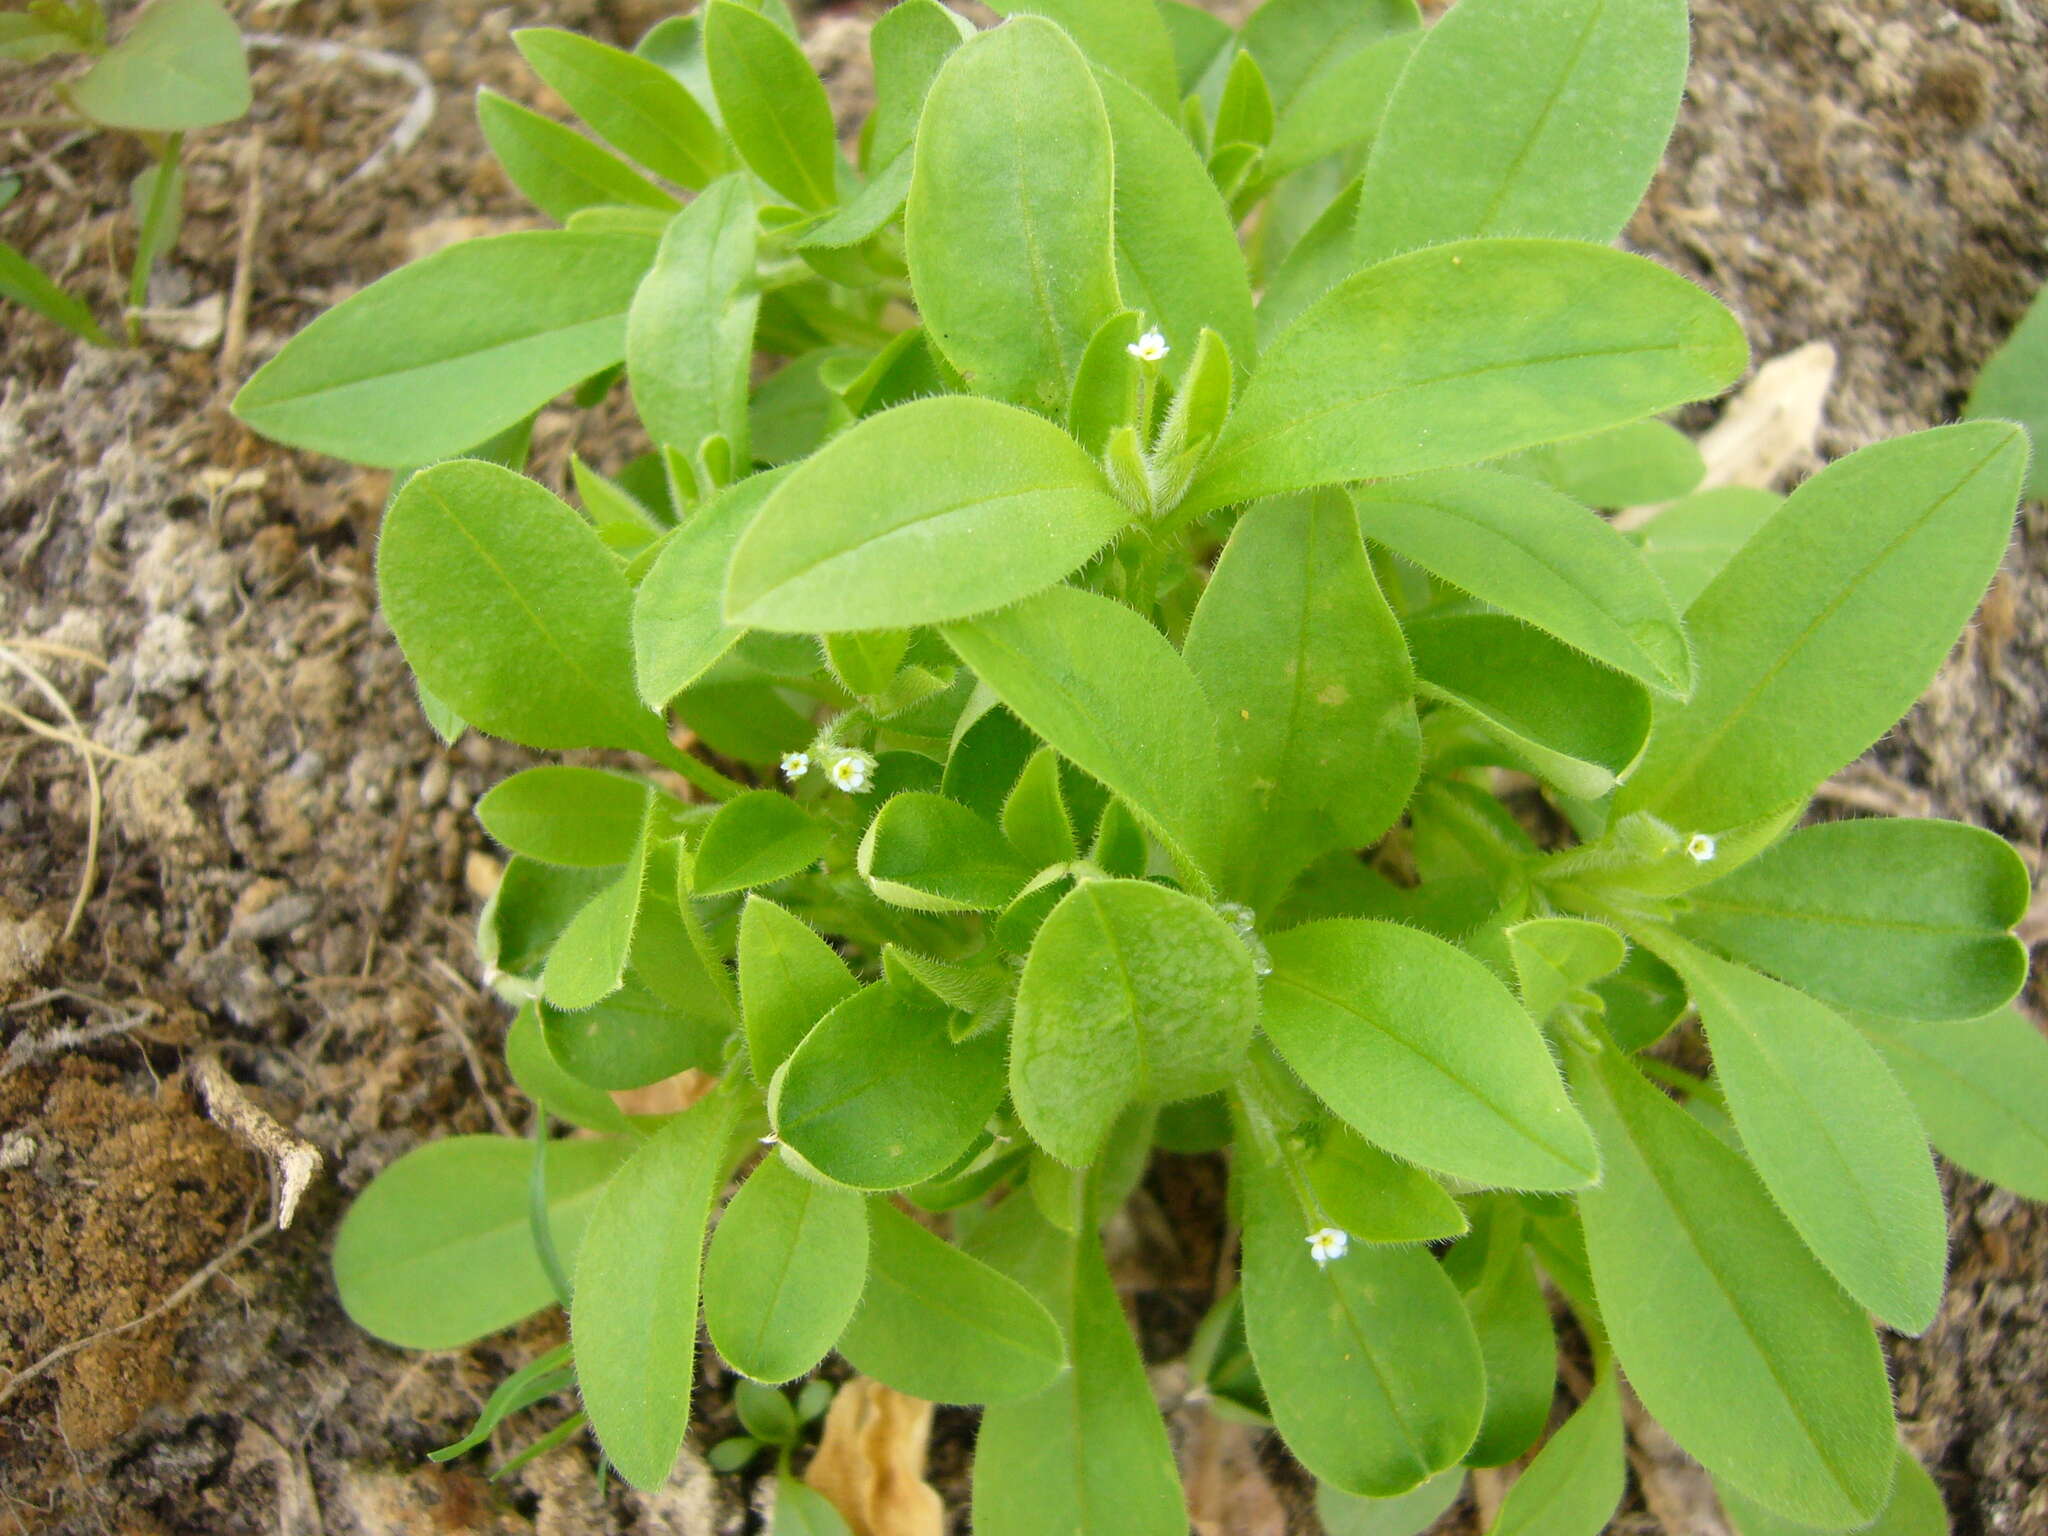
(180, 66)
(1155, 624)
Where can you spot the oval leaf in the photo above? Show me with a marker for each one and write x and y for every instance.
(1011, 250)
(756, 839)
(941, 1325)
(773, 104)
(1369, 1362)
(784, 1272)
(454, 348)
(634, 1322)
(690, 334)
(1539, 556)
(181, 66)
(1313, 695)
(1415, 1045)
(1829, 622)
(1106, 690)
(487, 579)
(1132, 993)
(1832, 1134)
(789, 979)
(878, 1096)
(1905, 919)
(926, 852)
(583, 818)
(1731, 1333)
(1561, 114)
(1979, 1087)
(638, 106)
(1463, 352)
(679, 628)
(559, 171)
(438, 1251)
(932, 511)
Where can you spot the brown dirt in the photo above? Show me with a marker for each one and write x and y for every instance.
(291, 869)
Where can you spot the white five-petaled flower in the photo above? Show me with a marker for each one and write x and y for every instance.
(1149, 348)
(853, 772)
(1701, 847)
(1328, 1243)
(795, 765)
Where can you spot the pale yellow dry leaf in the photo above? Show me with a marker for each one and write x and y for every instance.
(670, 1096)
(1228, 1494)
(871, 1462)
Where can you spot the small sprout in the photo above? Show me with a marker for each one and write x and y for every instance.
(795, 765)
(1328, 1243)
(853, 772)
(1150, 347)
(1700, 846)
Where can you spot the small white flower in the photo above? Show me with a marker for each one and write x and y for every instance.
(1149, 348)
(1327, 1244)
(795, 765)
(771, 1140)
(1701, 847)
(854, 772)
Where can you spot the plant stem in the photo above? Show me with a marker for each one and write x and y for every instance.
(162, 191)
(1684, 1081)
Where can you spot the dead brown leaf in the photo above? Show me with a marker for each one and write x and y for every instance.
(872, 1459)
(1228, 1494)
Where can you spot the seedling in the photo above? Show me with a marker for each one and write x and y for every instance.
(1157, 673)
(181, 66)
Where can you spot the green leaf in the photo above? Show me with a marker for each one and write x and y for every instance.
(487, 579)
(1369, 1362)
(527, 913)
(764, 1412)
(588, 963)
(1463, 352)
(756, 839)
(1126, 37)
(1376, 1198)
(679, 628)
(1689, 542)
(1177, 254)
(26, 39)
(1643, 1000)
(1244, 112)
(1106, 690)
(539, 1379)
(558, 170)
(639, 107)
(1561, 116)
(690, 335)
(1035, 816)
(26, 283)
(634, 1322)
(1088, 1456)
(932, 511)
(1832, 1134)
(932, 854)
(1557, 957)
(1505, 1301)
(1416, 1046)
(181, 66)
(866, 661)
(438, 1251)
(2013, 386)
(1342, 106)
(1133, 993)
(1979, 1087)
(1564, 718)
(801, 1510)
(1905, 919)
(1631, 466)
(1541, 557)
(878, 1095)
(1735, 1338)
(1915, 1509)
(582, 817)
(1300, 44)
(773, 105)
(940, 1324)
(1829, 622)
(909, 43)
(784, 1272)
(544, 1080)
(789, 980)
(1012, 253)
(445, 352)
(1575, 1484)
(1405, 1514)
(1308, 679)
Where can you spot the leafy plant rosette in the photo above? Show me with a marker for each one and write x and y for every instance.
(1154, 588)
